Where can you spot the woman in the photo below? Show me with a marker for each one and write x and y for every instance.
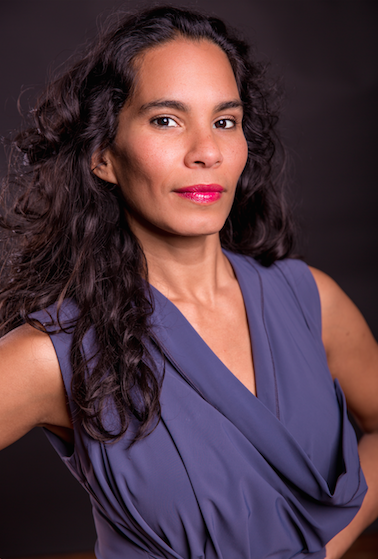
(159, 331)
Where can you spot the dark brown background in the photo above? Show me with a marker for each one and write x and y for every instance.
(327, 52)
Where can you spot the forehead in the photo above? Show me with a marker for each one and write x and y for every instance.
(183, 67)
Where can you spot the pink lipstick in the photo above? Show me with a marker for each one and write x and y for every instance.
(201, 193)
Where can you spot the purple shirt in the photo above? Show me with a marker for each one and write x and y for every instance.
(225, 474)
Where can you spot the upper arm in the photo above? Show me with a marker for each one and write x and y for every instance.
(31, 385)
(351, 349)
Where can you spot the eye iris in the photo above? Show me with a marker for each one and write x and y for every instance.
(223, 123)
(164, 121)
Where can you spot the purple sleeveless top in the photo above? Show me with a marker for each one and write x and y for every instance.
(225, 474)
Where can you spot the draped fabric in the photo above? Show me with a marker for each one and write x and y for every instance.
(225, 474)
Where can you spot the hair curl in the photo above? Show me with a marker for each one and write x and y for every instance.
(71, 236)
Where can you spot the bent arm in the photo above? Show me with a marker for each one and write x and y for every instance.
(31, 385)
(352, 355)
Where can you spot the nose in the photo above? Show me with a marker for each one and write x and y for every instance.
(203, 150)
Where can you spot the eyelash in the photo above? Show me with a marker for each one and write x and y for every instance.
(156, 119)
(232, 120)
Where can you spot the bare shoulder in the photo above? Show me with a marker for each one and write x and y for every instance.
(341, 319)
(331, 294)
(352, 351)
(30, 352)
(31, 384)
(30, 338)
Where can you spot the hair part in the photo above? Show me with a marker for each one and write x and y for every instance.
(70, 235)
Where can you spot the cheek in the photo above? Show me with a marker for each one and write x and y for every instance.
(152, 161)
(145, 167)
(239, 156)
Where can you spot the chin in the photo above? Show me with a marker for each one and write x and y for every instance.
(199, 231)
(203, 228)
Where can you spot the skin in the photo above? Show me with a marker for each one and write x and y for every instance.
(183, 127)
(201, 143)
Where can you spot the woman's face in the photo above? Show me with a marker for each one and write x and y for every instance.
(180, 147)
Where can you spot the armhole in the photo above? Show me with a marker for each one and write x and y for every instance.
(65, 450)
(61, 342)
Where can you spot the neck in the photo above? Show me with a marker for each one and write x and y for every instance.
(186, 268)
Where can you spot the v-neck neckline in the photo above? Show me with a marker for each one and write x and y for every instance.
(182, 338)
(250, 282)
(188, 357)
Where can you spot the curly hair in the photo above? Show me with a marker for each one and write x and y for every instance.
(70, 235)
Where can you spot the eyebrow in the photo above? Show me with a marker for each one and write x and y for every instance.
(183, 107)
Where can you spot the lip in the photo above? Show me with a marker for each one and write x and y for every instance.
(201, 193)
(200, 188)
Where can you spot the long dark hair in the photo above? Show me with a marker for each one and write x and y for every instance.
(71, 236)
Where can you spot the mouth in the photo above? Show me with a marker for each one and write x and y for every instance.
(201, 193)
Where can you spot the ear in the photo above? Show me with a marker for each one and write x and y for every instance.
(102, 166)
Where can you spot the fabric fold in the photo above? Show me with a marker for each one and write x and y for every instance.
(225, 474)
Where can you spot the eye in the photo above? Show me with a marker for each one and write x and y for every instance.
(225, 123)
(164, 122)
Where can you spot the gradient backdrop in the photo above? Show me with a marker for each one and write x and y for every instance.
(327, 53)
